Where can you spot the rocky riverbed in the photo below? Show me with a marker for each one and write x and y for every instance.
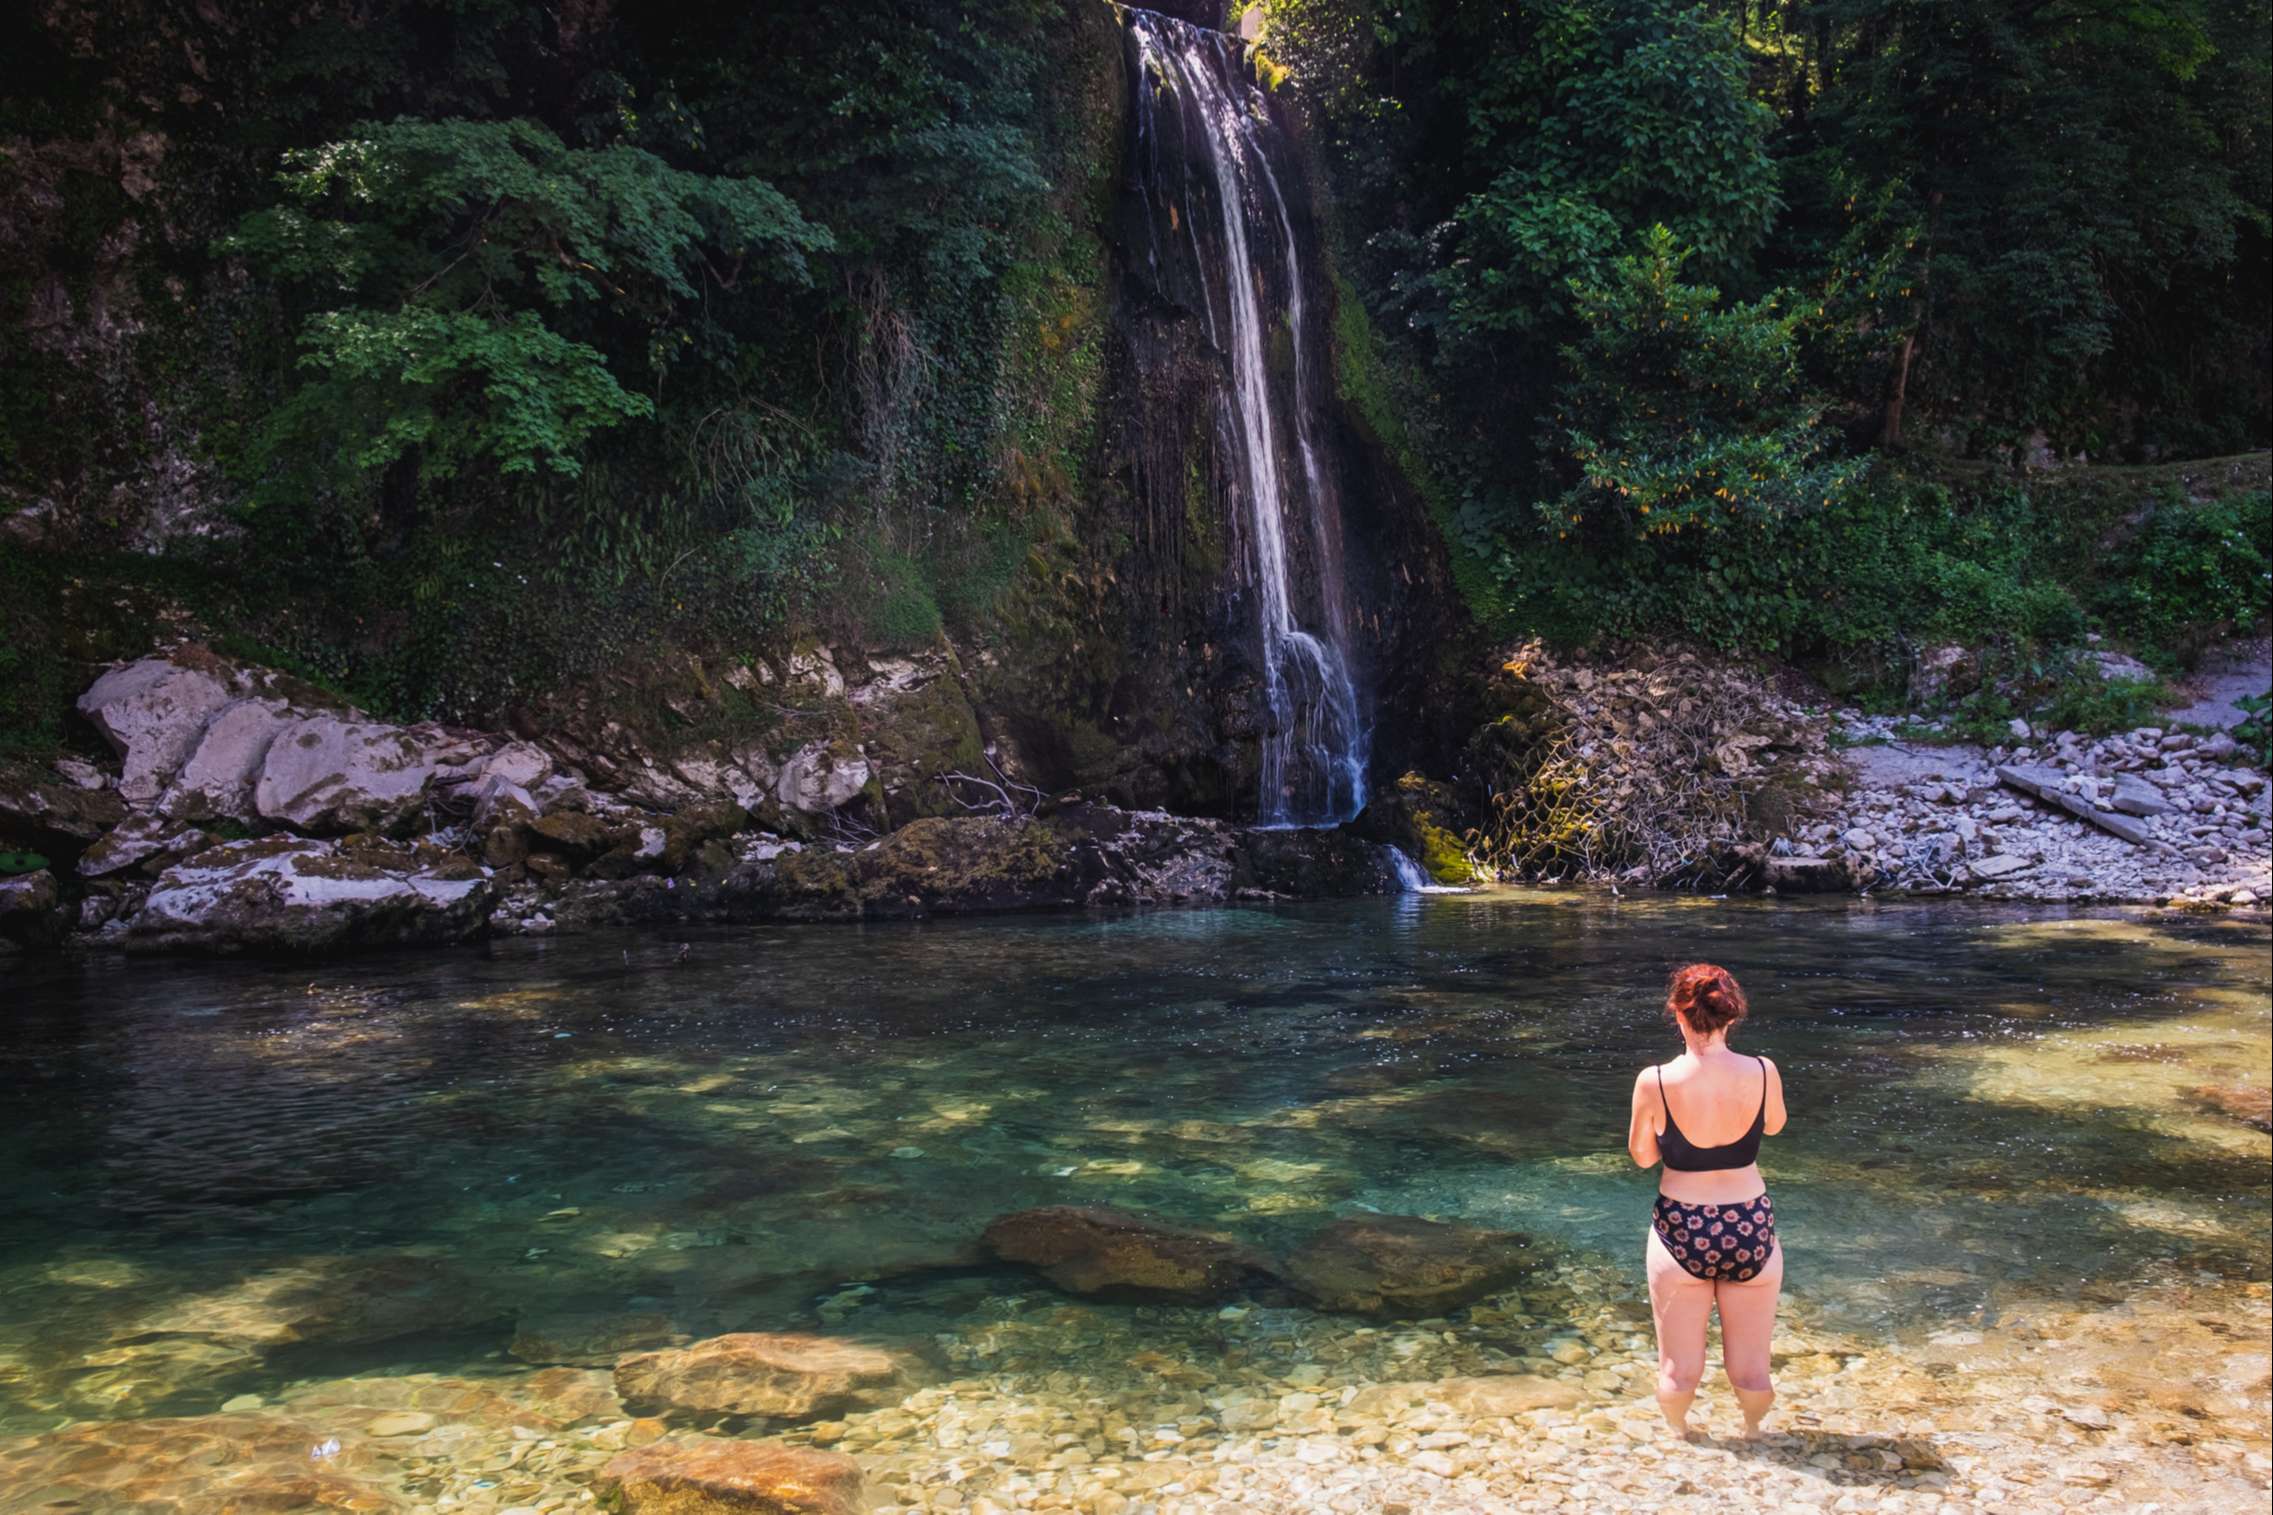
(1536, 1399)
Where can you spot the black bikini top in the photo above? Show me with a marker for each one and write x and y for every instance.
(1685, 1156)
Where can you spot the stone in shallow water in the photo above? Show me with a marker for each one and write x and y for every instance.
(337, 1300)
(1404, 1265)
(2251, 1105)
(1512, 1394)
(783, 1377)
(206, 1465)
(590, 1339)
(713, 1476)
(1095, 1249)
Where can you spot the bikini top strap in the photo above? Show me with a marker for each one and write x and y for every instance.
(1660, 1072)
(1763, 1062)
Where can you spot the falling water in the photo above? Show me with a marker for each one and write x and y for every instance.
(1313, 747)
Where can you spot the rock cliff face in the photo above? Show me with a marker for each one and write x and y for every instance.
(248, 813)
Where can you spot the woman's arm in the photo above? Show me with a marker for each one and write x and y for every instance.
(1775, 1120)
(1642, 1128)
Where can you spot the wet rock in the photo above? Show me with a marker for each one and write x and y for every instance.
(216, 779)
(2252, 1105)
(153, 712)
(331, 774)
(714, 1476)
(291, 895)
(332, 1301)
(590, 1339)
(779, 1376)
(1805, 874)
(31, 909)
(1402, 1265)
(1097, 1250)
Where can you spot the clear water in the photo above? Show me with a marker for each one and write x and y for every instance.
(1990, 1109)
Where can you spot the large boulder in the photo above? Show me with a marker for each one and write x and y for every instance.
(333, 774)
(711, 1475)
(779, 1376)
(1402, 1265)
(216, 778)
(1118, 1254)
(153, 712)
(31, 909)
(291, 895)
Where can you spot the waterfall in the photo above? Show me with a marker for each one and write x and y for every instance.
(1412, 878)
(1241, 236)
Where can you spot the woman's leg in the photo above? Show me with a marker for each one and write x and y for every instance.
(1683, 1304)
(1748, 1324)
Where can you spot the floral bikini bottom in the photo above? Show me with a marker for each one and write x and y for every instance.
(1718, 1241)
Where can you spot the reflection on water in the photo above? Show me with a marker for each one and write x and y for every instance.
(223, 1177)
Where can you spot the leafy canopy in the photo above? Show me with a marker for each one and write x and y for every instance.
(481, 291)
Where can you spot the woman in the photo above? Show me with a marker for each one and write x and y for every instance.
(1712, 1240)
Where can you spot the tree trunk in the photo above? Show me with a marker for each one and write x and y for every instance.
(1898, 387)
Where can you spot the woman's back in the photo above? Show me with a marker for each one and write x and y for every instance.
(1715, 1099)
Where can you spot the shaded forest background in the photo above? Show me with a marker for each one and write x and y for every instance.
(450, 353)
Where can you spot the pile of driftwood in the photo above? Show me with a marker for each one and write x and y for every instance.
(1659, 767)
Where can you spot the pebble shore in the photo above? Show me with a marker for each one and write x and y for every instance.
(1539, 1399)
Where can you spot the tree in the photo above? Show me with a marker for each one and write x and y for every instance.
(477, 292)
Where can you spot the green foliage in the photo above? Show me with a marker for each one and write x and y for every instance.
(1599, 121)
(2197, 571)
(1681, 413)
(479, 288)
(902, 612)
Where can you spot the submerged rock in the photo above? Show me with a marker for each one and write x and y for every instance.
(1403, 1265)
(590, 1339)
(290, 895)
(1094, 1249)
(2252, 1105)
(714, 1476)
(779, 1376)
(202, 1465)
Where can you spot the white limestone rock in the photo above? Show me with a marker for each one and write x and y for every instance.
(821, 777)
(293, 895)
(216, 780)
(336, 774)
(152, 712)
